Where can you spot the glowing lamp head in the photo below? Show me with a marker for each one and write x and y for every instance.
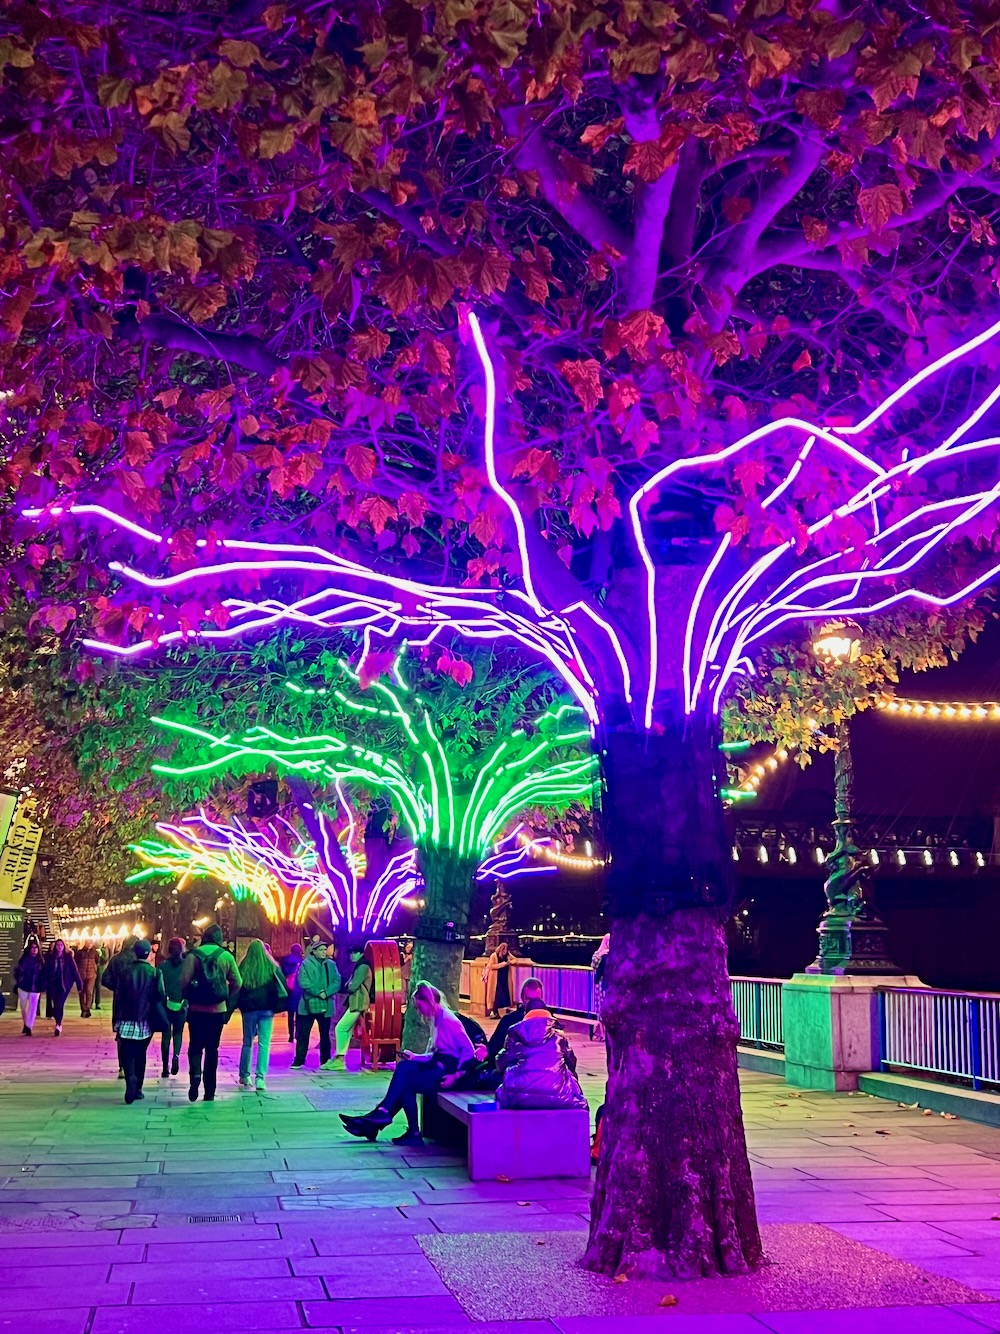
(838, 641)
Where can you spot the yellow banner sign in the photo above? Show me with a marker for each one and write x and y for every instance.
(17, 859)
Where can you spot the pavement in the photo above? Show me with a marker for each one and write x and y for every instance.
(257, 1212)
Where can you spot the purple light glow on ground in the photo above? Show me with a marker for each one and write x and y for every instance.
(869, 1233)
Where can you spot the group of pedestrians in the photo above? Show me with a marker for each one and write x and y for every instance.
(53, 975)
(527, 1061)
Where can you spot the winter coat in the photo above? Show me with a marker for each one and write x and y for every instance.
(228, 966)
(271, 998)
(140, 995)
(491, 976)
(61, 975)
(113, 974)
(538, 1066)
(359, 994)
(28, 973)
(86, 962)
(315, 977)
(170, 971)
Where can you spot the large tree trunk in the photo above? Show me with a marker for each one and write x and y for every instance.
(673, 1197)
(440, 932)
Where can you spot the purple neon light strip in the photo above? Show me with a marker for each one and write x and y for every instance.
(489, 375)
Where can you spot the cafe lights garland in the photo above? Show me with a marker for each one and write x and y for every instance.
(860, 554)
(935, 710)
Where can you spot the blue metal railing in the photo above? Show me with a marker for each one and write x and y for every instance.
(955, 1034)
(570, 990)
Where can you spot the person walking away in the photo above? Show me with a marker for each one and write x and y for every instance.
(112, 975)
(210, 981)
(319, 982)
(359, 999)
(86, 962)
(170, 970)
(497, 979)
(28, 977)
(449, 1052)
(538, 1067)
(102, 963)
(262, 995)
(61, 976)
(140, 997)
(290, 966)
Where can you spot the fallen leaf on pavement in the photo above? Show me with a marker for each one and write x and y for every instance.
(668, 1299)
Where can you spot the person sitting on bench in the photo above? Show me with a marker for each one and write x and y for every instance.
(532, 998)
(538, 1067)
(448, 1050)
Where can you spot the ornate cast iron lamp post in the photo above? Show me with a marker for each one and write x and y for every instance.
(852, 938)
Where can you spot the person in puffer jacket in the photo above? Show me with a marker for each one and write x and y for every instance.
(538, 1066)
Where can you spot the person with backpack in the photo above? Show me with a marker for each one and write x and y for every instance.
(170, 970)
(318, 983)
(359, 999)
(210, 981)
(262, 995)
(139, 997)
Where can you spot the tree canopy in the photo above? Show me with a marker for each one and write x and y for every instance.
(239, 243)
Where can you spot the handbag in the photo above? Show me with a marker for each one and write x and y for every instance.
(316, 1005)
(159, 1017)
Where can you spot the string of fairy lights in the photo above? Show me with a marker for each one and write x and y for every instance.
(942, 710)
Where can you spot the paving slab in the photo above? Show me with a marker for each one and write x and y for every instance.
(323, 1232)
(226, 1318)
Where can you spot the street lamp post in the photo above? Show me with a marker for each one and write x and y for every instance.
(852, 937)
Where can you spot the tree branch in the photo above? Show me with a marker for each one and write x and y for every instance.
(588, 219)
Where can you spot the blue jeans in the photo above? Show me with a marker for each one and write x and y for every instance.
(256, 1024)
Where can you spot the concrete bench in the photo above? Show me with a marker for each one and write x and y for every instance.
(519, 1145)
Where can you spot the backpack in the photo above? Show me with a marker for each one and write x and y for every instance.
(210, 984)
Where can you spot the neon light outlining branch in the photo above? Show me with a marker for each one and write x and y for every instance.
(515, 857)
(869, 545)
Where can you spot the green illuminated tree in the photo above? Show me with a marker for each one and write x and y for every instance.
(457, 779)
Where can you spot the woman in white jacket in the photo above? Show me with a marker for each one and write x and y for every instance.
(448, 1050)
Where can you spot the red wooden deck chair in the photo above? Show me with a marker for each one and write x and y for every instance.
(382, 1023)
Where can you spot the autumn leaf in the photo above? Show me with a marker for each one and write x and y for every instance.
(368, 344)
(483, 527)
(879, 204)
(397, 289)
(585, 379)
(112, 91)
(239, 53)
(493, 272)
(138, 448)
(816, 231)
(413, 507)
(647, 160)
(362, 461)
(378, 512)
(636, 334)
(803, 361)
(277, 139)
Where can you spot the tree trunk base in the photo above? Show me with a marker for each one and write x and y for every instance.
(673, 1197)
(438, 962)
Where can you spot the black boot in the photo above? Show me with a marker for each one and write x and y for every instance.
(362, 1127)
